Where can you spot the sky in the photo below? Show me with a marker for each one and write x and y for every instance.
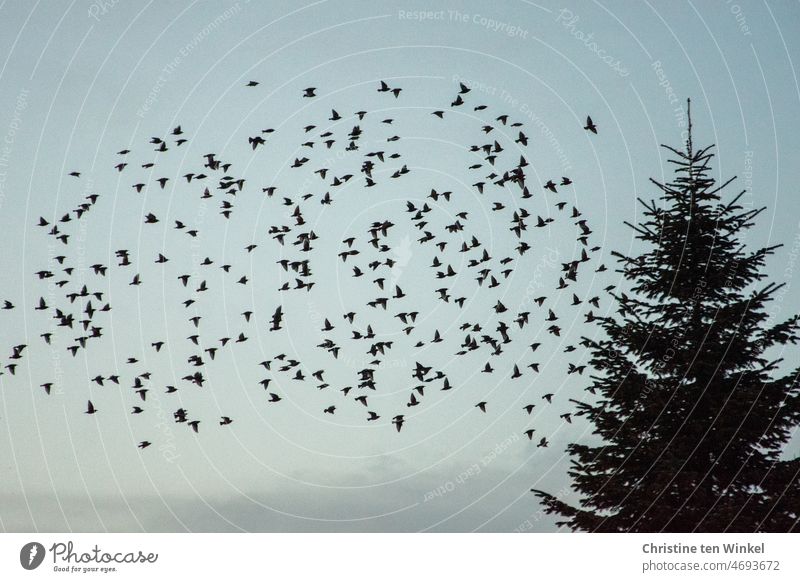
(81, 81)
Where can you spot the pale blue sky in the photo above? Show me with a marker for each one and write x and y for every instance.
(79, 82)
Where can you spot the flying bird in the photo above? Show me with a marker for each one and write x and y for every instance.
(419, 247)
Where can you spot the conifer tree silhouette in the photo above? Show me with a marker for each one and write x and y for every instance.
(692, 408)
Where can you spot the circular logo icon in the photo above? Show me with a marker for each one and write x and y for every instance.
(31, 555)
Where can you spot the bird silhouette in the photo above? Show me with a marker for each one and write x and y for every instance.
(416, 259)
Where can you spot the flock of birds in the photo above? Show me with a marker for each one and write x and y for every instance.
(81, 310)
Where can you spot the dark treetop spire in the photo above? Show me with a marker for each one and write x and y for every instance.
(691, 409)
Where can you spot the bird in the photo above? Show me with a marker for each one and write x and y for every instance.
(364, 152)
(277, 318)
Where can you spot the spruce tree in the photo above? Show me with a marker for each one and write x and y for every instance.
(691, 407)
